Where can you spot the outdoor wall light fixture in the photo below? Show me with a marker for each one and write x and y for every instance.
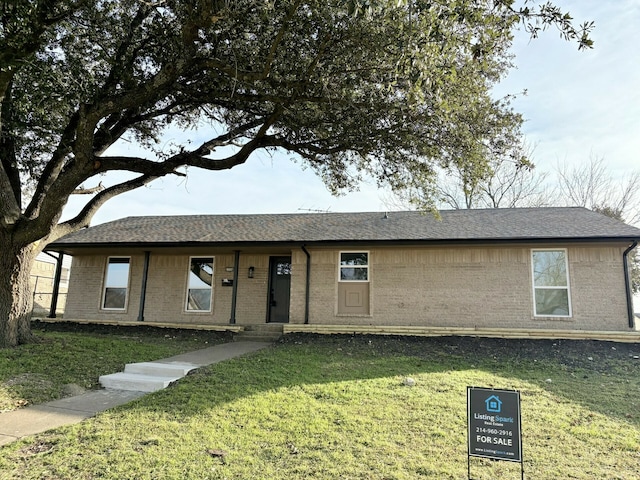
(251, 271)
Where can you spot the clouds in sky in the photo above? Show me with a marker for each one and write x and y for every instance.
(582, 103)
(578, 105)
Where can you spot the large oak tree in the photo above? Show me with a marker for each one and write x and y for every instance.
(387, 88)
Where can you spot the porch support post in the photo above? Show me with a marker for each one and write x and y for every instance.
(307, 283)
(234, 293)
(143, 290)
(56, 285)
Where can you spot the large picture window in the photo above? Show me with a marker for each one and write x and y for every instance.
(200, 283)
(116, 283)
(551, 283)
(354, 266)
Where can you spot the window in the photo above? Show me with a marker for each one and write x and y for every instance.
(354, 266)
(116, 283)
(283, 268)
(551, 283)
(199, 284)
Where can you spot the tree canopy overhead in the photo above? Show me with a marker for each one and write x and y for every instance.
(388, 88)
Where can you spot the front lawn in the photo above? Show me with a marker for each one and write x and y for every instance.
(69, 358)
(337, 407)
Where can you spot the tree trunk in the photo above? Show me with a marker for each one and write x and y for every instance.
(16, 300)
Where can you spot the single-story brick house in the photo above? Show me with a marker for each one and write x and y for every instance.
(532, 269)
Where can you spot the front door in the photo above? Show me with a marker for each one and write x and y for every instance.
(279, 287)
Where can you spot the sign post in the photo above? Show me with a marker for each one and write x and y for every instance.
(493, 418)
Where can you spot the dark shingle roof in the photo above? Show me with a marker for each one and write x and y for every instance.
(455, 226)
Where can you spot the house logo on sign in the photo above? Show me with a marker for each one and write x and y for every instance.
(494, 404)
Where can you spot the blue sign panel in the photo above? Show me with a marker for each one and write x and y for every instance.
(494, 424)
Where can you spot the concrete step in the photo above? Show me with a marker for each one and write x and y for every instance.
(159, 369)
(268, 332)
(136, 382)
(256, 338)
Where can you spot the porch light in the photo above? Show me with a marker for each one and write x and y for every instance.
(251, 271)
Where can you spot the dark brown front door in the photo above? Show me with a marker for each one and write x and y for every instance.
(279, 288)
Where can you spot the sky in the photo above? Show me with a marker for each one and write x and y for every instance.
(579, 105)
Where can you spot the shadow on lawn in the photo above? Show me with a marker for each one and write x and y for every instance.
(597, 375)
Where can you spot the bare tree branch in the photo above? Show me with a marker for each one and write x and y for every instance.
(83, 219)
(88, 191)
(592, 185)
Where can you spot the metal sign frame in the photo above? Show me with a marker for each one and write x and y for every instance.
(494, 426)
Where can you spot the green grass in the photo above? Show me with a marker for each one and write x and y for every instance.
(337, 408)
(77, 355)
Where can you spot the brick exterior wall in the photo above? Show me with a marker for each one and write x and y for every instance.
(166, 289)
(409, 286)
(467, 287)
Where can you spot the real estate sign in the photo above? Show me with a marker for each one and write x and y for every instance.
(494, 424)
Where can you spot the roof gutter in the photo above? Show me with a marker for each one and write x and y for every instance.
(69, 248)
(627, 283)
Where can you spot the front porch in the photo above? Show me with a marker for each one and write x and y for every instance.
(268, 332)
(273, 331)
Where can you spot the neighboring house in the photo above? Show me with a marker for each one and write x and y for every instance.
(534, 269)
(42, 281)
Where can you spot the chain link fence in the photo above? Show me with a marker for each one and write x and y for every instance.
(42, 287)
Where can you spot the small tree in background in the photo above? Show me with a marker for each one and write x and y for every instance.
(507, 180)
(591, 185)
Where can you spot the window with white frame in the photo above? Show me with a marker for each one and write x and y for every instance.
(116, 284)
(199, 287)
(354, 267)
(551, 292)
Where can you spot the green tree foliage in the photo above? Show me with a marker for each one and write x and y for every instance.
(387, 88)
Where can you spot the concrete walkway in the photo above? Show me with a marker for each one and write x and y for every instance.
(40, 418)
